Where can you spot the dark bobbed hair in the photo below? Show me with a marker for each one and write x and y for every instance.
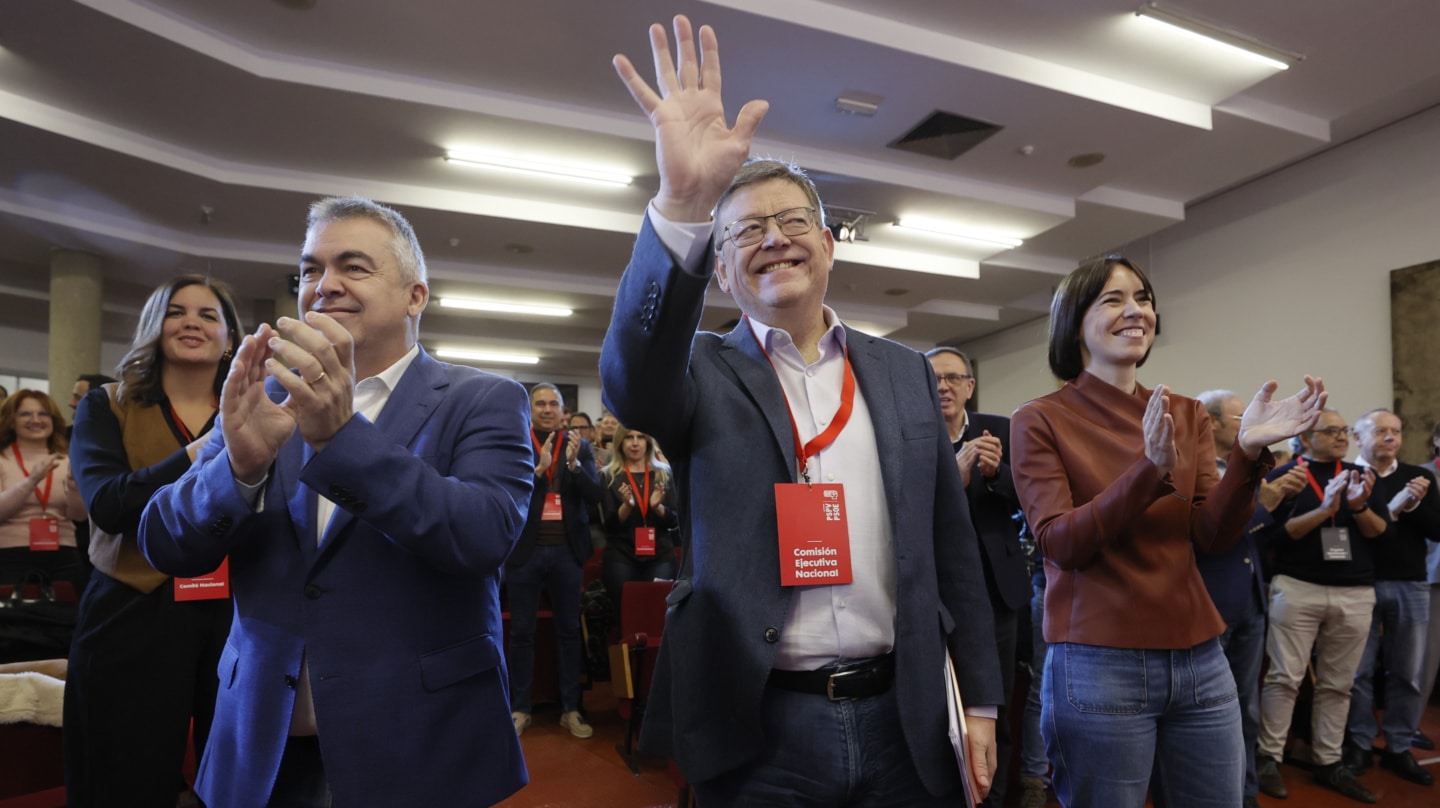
(140, 370)
(1072, 299)
(764, 169)
(58, 443)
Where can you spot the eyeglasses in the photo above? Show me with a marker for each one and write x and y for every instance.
(751, 230)
(1385, 431)
(954, 379)
(1331, 431)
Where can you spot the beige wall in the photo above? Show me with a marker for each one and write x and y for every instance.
(1285, 276)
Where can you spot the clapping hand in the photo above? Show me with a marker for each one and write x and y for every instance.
(1273, 492)
(1159, 428)
(1409, 496)
(1357, 492)
(1266, 421)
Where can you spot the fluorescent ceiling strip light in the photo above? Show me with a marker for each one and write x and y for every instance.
(486, 356)
(1214, 35)
(473, 304)
(945, 229)
(532, 167)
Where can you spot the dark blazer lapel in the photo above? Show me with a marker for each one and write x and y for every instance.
(742, 353)
(873, 377)
(411, 404)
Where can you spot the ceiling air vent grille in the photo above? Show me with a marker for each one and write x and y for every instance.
(945, 135)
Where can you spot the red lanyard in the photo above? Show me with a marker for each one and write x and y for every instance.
(180, 425)
(643, 503)
(49, 478)
(823, 440)
(1319, 492)
(540, 451)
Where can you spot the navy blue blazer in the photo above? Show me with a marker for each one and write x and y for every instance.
(397, 611)
(993, 503)
(716, 406)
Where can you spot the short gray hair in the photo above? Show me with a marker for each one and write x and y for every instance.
(404, 246)
(1214, 401)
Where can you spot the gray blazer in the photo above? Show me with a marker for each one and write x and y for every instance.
(716, 407)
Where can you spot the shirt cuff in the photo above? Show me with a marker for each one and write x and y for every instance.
(687, 241)
(992, 713)
(253, 494)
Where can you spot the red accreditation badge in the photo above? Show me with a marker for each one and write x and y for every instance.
(814, 534)
(44, 533)
(644, 541)
(552, 512)
(215, 586)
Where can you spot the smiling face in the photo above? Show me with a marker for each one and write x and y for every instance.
(34, 422)
(779, 279)
(1119, 326)
(546, 410)
(348, 270)
(194, 330)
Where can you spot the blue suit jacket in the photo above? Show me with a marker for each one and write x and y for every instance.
(1234, 578)
(717, 409)
(397, 611)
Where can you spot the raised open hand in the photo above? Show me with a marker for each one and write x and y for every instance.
(696, 150)
(1266, 421)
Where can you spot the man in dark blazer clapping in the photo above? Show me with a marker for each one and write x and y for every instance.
(982, 443)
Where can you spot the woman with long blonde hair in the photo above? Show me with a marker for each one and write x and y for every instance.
(639, 513)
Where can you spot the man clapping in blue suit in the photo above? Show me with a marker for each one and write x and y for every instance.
(365, 525)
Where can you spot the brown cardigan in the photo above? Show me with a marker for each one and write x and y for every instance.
(148, 440)
(1117, 538)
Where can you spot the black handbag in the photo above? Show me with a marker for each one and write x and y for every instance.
(35, 627)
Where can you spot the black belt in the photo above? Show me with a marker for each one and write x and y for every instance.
(860, 679)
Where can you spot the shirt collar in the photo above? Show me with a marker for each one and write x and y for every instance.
(776, 338)
(1360, 461)
(390, 377)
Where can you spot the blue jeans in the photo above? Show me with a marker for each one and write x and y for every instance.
(1403, 608)
(552, 568)
(1112, 717)
(1244, 645)
(1033, 762)
(826, 754)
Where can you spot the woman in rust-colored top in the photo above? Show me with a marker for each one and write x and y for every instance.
(1117, 482)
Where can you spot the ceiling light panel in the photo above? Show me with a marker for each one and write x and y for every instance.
(534, 167)
(501, 307)
(467, 355)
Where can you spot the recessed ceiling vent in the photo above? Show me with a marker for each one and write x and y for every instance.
(945, 135)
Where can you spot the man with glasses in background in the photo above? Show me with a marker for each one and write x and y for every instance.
(1321, 596)
(1402, 603)
(980, 442)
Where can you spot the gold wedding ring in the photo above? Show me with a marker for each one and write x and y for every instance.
(315, 380)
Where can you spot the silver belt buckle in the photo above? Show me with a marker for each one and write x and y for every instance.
(830, 684)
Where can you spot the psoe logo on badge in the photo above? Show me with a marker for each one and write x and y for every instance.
(832, 495)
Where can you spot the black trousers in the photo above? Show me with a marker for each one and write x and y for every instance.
(141, 668)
